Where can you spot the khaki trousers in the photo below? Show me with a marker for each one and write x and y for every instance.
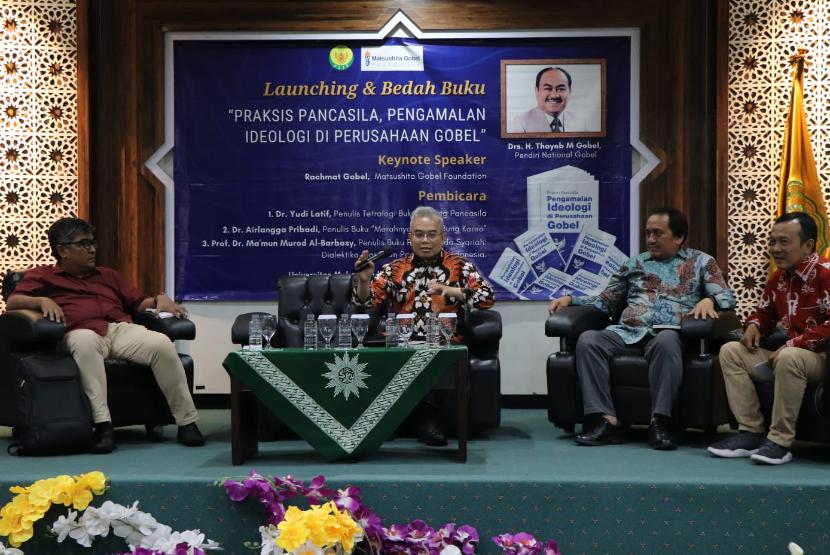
(136, 344)
(794, 368)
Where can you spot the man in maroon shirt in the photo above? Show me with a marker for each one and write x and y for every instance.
(95, 304)
(797, 296)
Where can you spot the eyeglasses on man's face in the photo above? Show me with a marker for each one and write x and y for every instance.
(431, 235)
(83, 243)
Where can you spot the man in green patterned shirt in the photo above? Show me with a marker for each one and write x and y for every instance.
(658, 288)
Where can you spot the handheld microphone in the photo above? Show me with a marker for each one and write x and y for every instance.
(383, 253)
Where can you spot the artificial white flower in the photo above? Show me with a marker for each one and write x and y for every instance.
(159, 539)
(269, 535)
(95, 522)
(114, 511)
(81, 536)
(195, 538)
(9, 550)
(143, 522)
(795, 549)
(63, 526)
(450, 550)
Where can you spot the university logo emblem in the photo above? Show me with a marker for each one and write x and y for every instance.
(341, 57)
(346, 376)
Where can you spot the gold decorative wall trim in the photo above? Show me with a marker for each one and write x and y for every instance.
(38, 126)
(763, 34)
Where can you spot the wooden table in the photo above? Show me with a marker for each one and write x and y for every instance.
(344, 402)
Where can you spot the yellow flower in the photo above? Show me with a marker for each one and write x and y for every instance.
(30, 504)
(17, 538)
(95, 480)
(292, 535)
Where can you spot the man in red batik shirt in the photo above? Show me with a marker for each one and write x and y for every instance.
(427, 280)
(797, 296)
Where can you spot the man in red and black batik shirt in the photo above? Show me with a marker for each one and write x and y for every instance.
(796, 298)
(427, 280)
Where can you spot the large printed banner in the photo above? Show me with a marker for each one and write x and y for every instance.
(293, 157)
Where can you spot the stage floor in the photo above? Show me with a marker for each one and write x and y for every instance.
(526, 475)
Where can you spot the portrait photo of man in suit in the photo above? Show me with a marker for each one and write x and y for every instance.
(567, 99)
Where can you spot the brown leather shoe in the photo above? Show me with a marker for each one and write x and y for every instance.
(603, 433)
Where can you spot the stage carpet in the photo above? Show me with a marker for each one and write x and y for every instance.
(525, 476)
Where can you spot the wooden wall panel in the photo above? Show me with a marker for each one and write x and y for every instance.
(678, 96)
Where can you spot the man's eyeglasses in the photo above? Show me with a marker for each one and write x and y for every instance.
(431, 235)
(83, 243)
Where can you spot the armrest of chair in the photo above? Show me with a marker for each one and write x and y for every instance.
(28, 326)
(174, 328)
(774, 340)
(239, 329)
(719, 328)
(484, 327)
(571, 321)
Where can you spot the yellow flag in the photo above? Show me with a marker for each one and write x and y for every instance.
(799, 189)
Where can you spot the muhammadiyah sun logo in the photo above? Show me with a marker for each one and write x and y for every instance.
(341, 57)
(346, 376)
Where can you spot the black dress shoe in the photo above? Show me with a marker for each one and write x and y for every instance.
(603, 433)
(430, 434)
(660, 436)
(103, 439)
(190, 435)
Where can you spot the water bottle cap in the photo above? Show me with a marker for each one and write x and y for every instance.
(448, 315)
(410, 315)
(327, 317)
(360, 316)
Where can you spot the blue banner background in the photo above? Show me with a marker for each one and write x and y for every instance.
(224, 186)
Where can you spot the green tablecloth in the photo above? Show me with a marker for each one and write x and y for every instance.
(345, 403)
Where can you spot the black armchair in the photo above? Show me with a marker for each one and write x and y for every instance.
(331, 294)
(702, 400)
(133, 395)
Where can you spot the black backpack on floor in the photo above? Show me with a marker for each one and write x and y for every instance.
(53, 415)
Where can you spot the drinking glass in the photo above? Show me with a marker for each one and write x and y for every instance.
(269, 328)
(405, 322)
(327, 324)
(360, 325)
(447, 320)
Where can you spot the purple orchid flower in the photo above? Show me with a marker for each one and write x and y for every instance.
(348, 499)
(396, 532)
(443, 536)
(419, 532)
(467, 538)
(551, 548)
(235, 490)
(316, 490)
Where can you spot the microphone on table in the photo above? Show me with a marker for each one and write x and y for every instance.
(383, 253)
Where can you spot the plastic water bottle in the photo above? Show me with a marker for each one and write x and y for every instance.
(344, 332)
(255, 333)
(310, 332)
(432, 330)
(391, 330)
